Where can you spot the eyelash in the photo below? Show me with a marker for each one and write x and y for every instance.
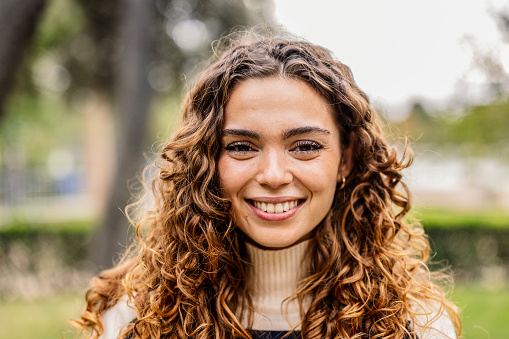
(235, 147)
(315, 147)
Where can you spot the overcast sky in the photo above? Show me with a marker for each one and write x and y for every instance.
(400, 49)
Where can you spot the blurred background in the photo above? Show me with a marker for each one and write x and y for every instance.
(89, 90)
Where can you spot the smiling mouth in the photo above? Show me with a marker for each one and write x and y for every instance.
(275, 208)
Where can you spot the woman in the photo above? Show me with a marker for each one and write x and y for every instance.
(277, 213)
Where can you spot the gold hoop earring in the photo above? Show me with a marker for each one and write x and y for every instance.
(343, 183)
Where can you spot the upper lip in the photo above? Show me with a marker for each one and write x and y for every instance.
(274, 200)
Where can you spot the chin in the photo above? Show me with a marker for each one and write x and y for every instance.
(272, 242)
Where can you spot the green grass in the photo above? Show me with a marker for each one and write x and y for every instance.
(484, 313)
(42, 318)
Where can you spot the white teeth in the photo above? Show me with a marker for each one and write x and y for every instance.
(276, 208)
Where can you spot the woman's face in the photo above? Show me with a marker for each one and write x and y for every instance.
(280, 160)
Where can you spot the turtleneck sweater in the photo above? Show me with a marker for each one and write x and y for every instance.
(275, 276)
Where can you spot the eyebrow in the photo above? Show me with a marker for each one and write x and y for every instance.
(241, 133)
(303, 130)
(286, 134)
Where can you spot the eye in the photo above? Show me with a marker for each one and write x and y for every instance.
(239, 147)
(306, 147)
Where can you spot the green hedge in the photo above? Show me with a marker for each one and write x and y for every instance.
(433, 218)
(68, 242)
(470, 249)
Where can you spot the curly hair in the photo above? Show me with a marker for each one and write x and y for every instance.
(188, 270)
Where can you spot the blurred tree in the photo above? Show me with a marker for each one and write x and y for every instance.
(132, 99)
(479, 128)
(418, 120)
(15, 36)
(483, 125)
(487, 60)
(480, 123)
(501, 16)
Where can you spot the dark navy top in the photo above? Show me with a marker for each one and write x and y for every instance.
(274, 334)
(293, 335)
(257, 334)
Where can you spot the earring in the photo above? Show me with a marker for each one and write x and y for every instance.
(343, 183)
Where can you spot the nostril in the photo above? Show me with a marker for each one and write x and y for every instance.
(273, 169)
(274, 179)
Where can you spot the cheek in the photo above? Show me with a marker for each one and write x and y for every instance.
(321, 175)
(232, 176)
(231, 179)
(324, 190)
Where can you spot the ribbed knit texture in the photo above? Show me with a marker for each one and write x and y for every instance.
(276, 274)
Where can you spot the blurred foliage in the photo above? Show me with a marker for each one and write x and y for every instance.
(70, 238)
(476, 128)
(483, 124)
(61, 23)
(33, 128)
(165, 115)
(469, 251)
(78, 41)
(75, 53)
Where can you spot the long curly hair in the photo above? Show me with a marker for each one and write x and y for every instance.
(188, 270)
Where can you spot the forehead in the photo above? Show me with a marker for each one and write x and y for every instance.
(276, 101)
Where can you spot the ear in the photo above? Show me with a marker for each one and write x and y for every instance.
(347, 160)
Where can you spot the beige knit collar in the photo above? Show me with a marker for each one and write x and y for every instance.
(275, 276)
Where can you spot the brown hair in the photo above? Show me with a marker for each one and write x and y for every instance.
(187, 272)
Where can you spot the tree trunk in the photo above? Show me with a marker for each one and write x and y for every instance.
(133, 99)
(18, 20)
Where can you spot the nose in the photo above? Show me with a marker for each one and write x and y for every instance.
(273, 169)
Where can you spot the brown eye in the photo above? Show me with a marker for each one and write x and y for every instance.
(307, 146)
(239, 147)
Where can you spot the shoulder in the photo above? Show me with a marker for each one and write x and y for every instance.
(116, 318)
(431, 321)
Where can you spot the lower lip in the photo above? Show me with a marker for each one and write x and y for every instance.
(274, 216)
